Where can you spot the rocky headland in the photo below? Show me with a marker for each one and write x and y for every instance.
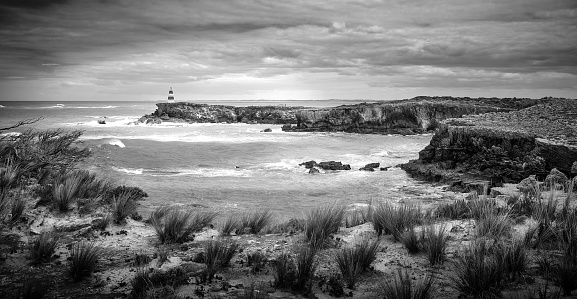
(501, 147)
(203, 113)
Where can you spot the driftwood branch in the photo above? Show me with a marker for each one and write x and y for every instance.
(22, 123)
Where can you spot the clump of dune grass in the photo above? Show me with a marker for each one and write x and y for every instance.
(217, 254)
(229, 226)
(322, 222)
(395, 220)
(42, 247)
(493, 223)
(83, 259)
(435, 243)
(284, 271)
(256, 221)
(141, 259)
(357, 217)
(176, 226)
(64, 193)
(306, 265)
(458, 209)
(511, 258)
(352, 261)
(476, 272)
(404, 287)
(123, 205)
(140, 283)
(413, 241)
(102, 223)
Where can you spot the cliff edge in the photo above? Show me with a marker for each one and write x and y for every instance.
(416, 115)
(501, 147)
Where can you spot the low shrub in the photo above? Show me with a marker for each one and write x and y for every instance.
(124, 205)
(478, 206)
(175, 226)
(83, 259)
(118, 190)
(140, 283)
(102, 224)
(476, 273)
(565, 275)
(404, 287)
(322, 222)
(162, 255)
(395, 220)
(256, 221)
(358, 217)
(42, 248)
(435, 243)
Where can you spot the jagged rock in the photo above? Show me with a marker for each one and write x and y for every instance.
(385, 168)
(267, 130)
(101, 122)
(502, 147)
(309, 164)
(366, 169)
(333, 165)
(314, 170)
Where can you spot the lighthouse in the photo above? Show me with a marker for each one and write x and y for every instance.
(170, 96)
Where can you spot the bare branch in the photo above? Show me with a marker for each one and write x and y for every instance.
(22, 123)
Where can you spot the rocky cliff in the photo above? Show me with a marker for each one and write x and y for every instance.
(416, 115)
(203, 113)
(501, 147)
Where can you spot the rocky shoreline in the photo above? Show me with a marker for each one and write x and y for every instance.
(496, 148)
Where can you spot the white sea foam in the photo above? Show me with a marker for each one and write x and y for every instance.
(111, 141)
(128, 170)
(2, 106)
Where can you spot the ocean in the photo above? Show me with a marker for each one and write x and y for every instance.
(232, 168)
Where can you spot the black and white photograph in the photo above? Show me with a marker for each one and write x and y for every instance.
(288, 149)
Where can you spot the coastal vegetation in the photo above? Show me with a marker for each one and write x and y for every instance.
(84, 235)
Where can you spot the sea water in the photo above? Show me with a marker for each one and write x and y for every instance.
(232, 168)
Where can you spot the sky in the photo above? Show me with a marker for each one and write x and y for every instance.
(116, 50)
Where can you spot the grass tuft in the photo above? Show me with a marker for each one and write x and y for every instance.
(395, 220)
(284, 272)
(476, 273)
(306, 265)
(458, 209)
(412, 241)
(256, 261)
(493, 223)
(229, 226)
(322, 222)
(352, 261)
(256, 221)
(435, 243)
(176, 226)
(124, 205)
(511, 258)
(403, 286)
(64, 193)
(217, 255)
(83, 259)
(43, 247)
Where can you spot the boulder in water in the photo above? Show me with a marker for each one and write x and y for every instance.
(333, 165)
(370, 167)
(101, 122)
(267, 130)
(385, 168)
(313, 170)
(309, 164)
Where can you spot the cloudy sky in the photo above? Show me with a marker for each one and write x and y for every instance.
(289, 49)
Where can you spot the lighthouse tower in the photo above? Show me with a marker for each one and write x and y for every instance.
(170, 96)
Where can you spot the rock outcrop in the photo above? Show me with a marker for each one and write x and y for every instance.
(203, 113)
(502, 147)
(417, 115)
(328, 165)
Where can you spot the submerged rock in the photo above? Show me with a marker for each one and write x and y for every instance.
(370, 167)
(309, 164)
(267, 130)
(333, 165)
(313, 170)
